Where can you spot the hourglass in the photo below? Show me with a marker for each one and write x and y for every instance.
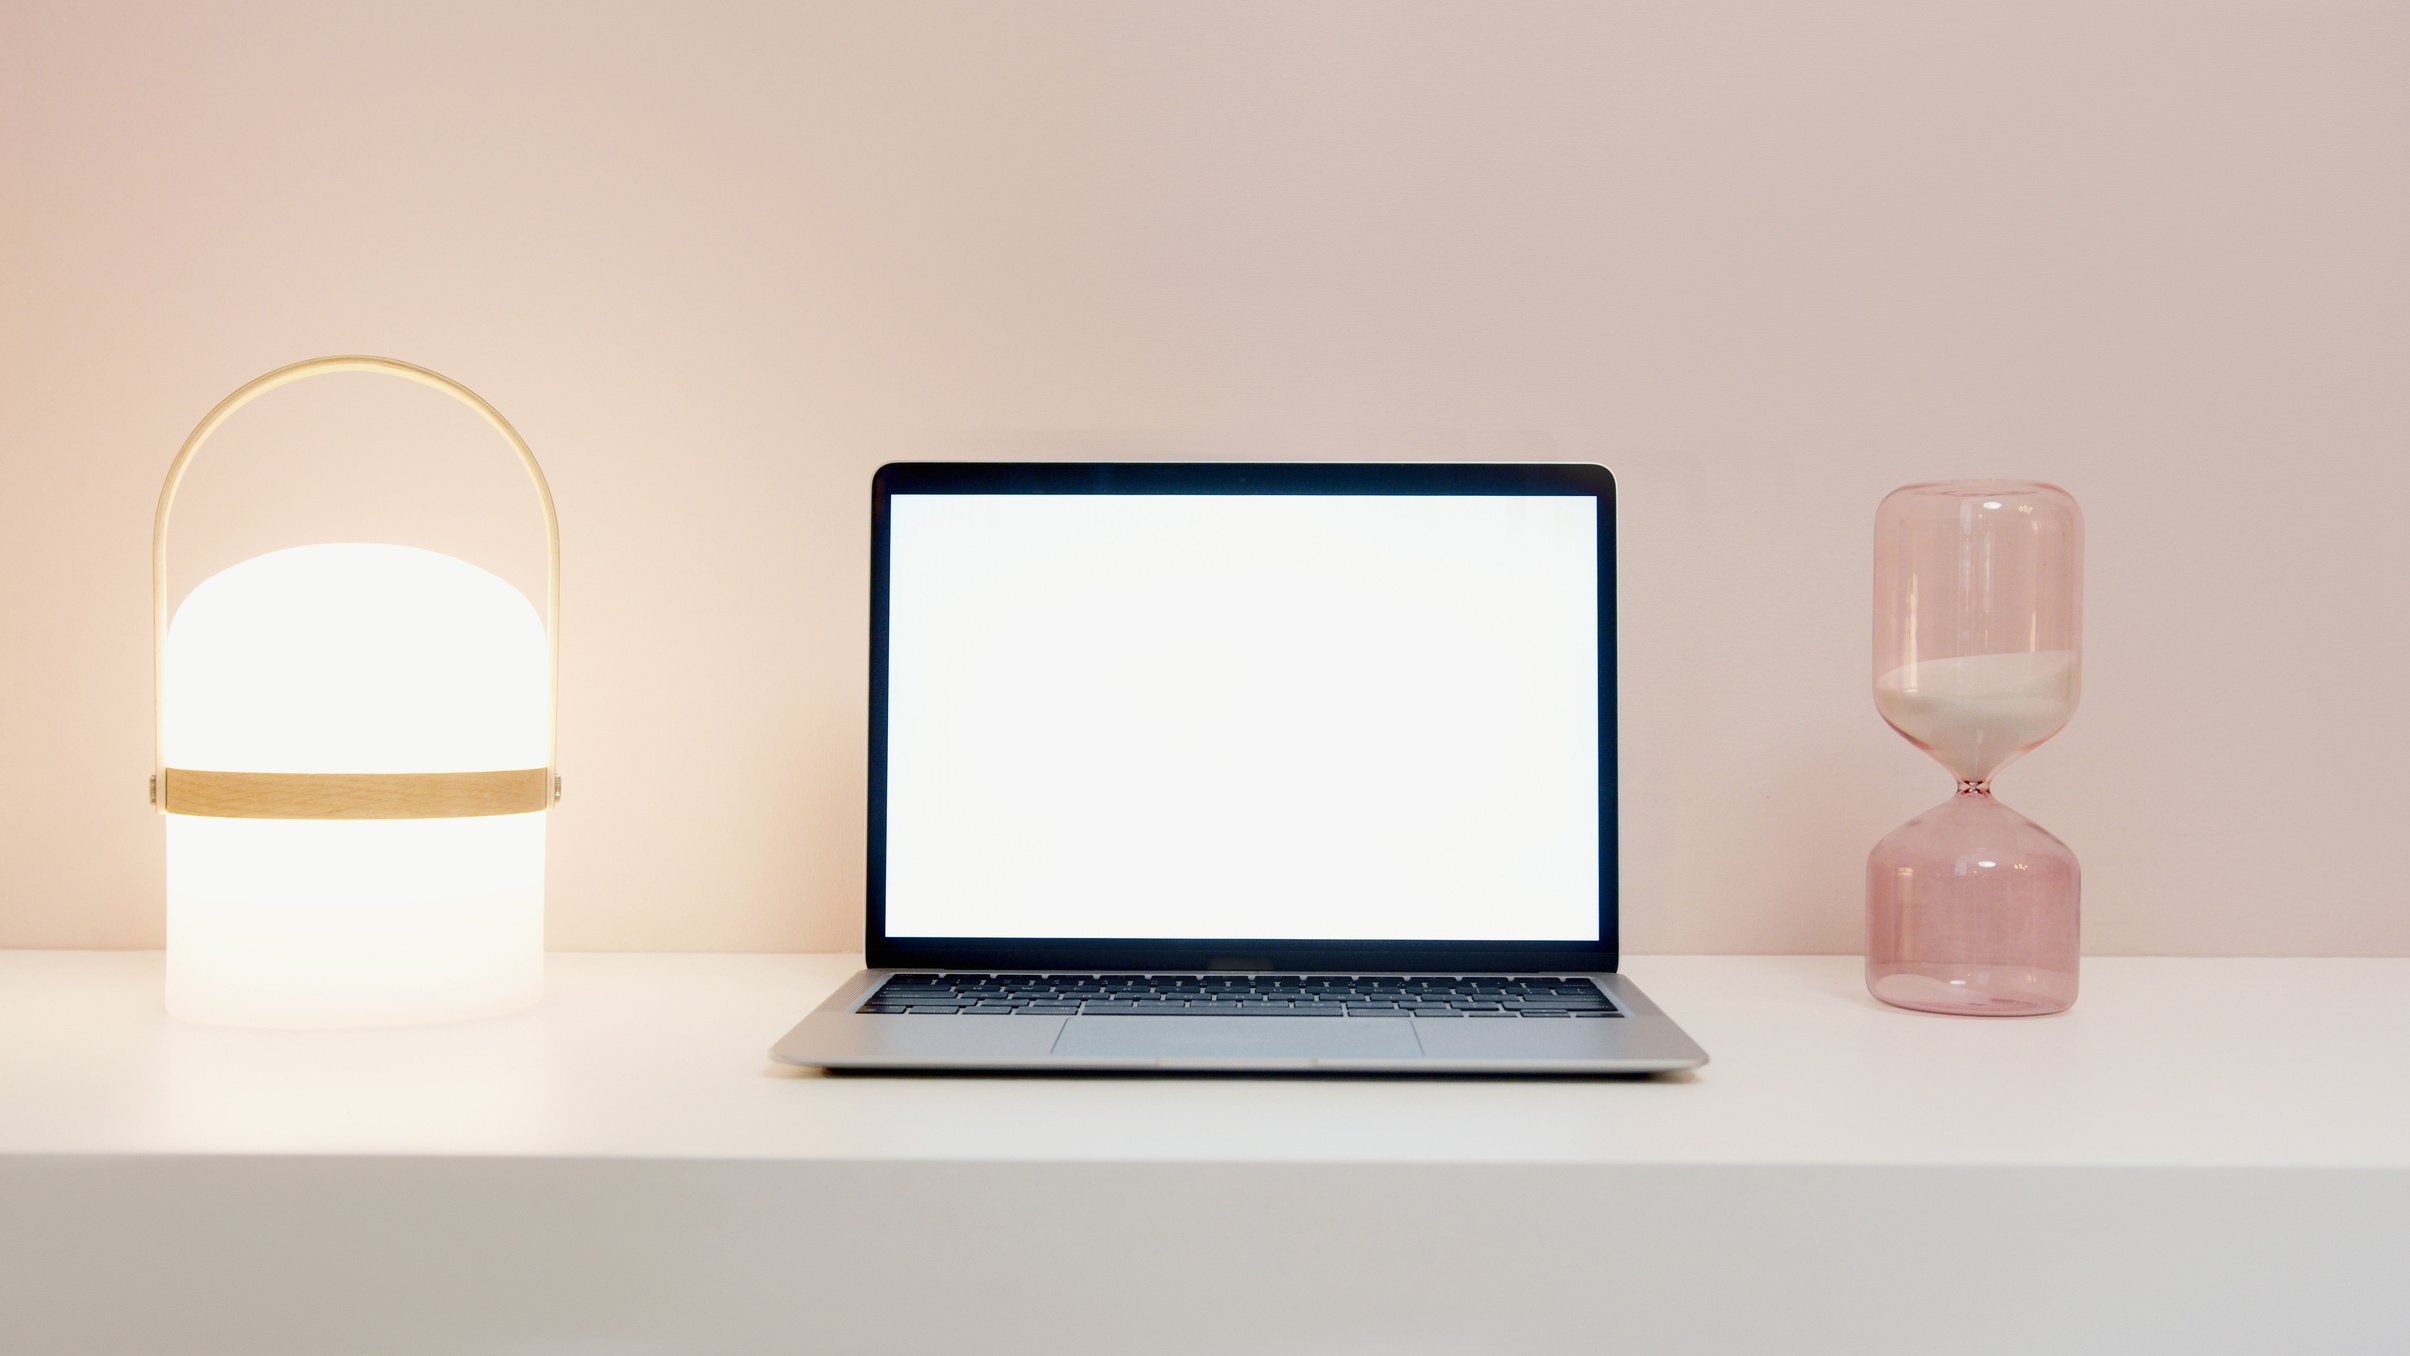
(1970, 906)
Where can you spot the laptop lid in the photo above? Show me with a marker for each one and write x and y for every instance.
(1242, 716)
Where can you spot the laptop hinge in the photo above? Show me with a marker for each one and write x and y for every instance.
(1239, 963)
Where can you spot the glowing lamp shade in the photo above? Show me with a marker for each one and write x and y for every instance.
(354, 659)
(355, 748)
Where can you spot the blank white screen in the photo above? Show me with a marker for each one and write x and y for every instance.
(1234, 716)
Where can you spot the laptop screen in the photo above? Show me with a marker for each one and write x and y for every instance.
(1262, 716)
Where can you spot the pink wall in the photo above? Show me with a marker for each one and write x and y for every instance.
(1767, 260)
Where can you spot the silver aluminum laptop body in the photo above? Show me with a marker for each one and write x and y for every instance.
(1242, 767)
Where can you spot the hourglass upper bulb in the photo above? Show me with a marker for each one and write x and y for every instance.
(1978, 618)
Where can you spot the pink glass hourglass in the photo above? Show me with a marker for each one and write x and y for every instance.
(1978, 584)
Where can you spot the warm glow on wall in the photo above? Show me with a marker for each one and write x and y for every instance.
(355, 761)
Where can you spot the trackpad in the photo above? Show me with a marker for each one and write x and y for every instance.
(1297, 1040)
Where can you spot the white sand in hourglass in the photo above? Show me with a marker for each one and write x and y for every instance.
(1975, 712)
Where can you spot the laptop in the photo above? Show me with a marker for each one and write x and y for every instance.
(1252, 767)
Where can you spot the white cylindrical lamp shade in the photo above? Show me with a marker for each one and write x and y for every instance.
(354, 659)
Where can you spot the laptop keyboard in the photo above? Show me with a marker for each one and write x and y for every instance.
(1217, 995)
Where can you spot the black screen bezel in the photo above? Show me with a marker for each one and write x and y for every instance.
(1280, 954)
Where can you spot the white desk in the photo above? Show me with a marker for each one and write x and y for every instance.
(2202, 1156)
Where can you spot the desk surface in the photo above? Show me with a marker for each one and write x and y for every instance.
(2202, 1156)
(2163, 1062)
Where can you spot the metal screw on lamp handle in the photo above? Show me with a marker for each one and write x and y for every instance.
(347, 795)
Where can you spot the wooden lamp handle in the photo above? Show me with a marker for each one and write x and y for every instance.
(339, 795)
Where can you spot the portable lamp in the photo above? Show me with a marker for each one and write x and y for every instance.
(355, 753)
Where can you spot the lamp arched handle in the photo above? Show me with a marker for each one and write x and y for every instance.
(354, 796)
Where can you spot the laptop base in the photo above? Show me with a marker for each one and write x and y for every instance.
(839, 1036)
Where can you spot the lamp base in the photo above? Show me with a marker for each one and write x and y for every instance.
(353, 923)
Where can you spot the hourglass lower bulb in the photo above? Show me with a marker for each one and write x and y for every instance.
(1971, 908)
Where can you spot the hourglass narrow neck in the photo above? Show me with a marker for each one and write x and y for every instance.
(1976, 788)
